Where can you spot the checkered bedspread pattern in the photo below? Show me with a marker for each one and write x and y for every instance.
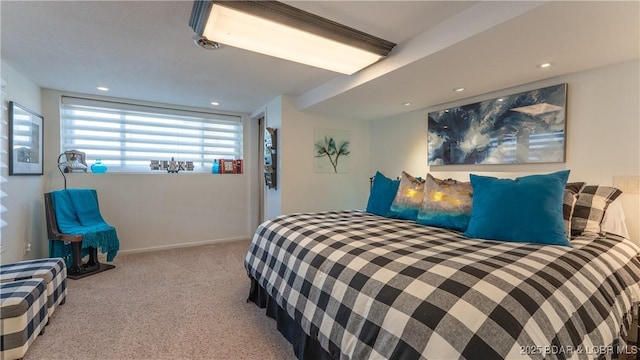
(384, 288)
(23, 306)
(52, 270)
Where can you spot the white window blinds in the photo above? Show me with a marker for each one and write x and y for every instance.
(126, 137)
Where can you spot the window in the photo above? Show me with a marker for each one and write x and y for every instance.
(126, 137)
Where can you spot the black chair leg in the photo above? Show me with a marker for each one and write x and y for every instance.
(93, 257)
(76, 248)
(78, 268)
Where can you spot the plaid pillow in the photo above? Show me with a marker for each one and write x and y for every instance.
(575, 187)
(589, 209)
(568, 205)
(571, 191)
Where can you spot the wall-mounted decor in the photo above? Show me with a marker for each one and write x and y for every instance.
(270, 157)
(331, 150)
(26, 148)
(528, 127)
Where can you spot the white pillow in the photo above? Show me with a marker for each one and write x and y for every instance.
(613, 221)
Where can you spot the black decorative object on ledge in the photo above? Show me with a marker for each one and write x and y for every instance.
(70, 161)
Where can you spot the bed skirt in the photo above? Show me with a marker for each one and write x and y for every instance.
(304, 346)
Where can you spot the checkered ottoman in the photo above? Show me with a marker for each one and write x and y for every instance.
(23, 315)
(52, 270)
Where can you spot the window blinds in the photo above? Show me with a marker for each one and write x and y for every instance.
(127, 136)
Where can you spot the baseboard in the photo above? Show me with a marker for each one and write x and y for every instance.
(182, 245)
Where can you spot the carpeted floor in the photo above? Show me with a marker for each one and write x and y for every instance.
(175, 304)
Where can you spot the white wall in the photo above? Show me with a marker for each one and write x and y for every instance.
(305, 190)
(603, 131)
(300, 189)
(24, 200)
(160, 210)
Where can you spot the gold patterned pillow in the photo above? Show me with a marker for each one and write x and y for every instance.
(407, 202)
(446, 204)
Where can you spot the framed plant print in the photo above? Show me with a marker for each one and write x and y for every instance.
(331, 151)
(26, 142)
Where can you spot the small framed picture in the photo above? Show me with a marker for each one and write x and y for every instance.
(228, 167)
(26, 148)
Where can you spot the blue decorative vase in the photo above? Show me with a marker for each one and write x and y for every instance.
(98, 167)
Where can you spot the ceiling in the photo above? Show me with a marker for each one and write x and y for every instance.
(143, 50)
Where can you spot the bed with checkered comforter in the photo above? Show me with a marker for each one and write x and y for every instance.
(379, 288)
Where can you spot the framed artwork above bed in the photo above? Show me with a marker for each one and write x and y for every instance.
(527, 127)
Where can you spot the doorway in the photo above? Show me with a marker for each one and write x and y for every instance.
(260, 171)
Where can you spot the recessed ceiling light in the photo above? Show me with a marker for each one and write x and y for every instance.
(102, 88)
(458, 89)
(215, 103)
(406, 104)
(544, 65)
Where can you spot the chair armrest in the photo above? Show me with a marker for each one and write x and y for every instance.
(69, 238)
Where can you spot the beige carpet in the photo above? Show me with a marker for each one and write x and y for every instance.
(175, 304)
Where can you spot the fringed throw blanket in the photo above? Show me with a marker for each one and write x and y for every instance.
(77, 212)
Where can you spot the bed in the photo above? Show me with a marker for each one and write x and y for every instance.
(355, 285)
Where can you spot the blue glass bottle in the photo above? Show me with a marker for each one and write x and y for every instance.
(215, 168)
(98, 167)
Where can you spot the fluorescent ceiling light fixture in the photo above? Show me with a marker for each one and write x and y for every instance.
(102, 88)
(276, 29)
(545, 65)
(458, 89)
(215, 103)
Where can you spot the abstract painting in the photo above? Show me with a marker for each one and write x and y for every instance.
(528, 127)
(331, 151)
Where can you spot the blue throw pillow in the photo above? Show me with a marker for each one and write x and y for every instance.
(527, 209)
(382, 194)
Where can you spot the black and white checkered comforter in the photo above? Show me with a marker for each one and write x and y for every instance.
(382, 288)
